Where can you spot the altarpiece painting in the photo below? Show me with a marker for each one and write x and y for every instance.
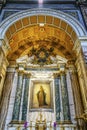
(41, 96)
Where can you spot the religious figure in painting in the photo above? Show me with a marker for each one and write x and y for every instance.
(41, 96)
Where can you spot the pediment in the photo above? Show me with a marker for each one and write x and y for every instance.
(32, 61)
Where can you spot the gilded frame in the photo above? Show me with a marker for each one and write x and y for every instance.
(34, 89)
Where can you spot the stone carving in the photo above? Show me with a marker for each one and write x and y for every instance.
(41, 60)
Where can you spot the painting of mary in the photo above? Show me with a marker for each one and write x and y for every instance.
(41, 96)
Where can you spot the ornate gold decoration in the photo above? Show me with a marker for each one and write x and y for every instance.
(42, 55)
(40, 119)
(48, 37)
(40, 124)
(83, 117)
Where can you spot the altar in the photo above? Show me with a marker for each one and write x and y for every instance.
(42, 96)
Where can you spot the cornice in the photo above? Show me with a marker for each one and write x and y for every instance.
(78, 28)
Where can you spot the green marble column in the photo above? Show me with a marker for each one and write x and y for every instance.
(25, 98)
(65, 101)
(16, 110)
(57, 97)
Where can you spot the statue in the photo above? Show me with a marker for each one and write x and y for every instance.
(40, 124)
(41, 96)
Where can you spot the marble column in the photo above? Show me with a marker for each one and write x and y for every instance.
(16, 110)
(5, 97)
(70, 96)
(83, 41)
(57, 96)
(61, 101)
(3, 67)
(12, 96)
(65, 101)
(25, 97)
(77, 95)
(81, 68)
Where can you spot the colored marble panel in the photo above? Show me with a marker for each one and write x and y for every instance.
(42, 69)
(65, 101)
(57, 98)
(16, 110)
(25, 98)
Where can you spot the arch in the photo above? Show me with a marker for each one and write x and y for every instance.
(72, 22)
(55, 19)
(63, 22)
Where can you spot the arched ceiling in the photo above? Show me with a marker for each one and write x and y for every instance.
(38, 34)
(38, 37)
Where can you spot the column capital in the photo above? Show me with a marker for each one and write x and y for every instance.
(56, 75)
(71, 66)
(5, 46)
(77, 47)
(27, 75)
(20, 68)
(80, 59)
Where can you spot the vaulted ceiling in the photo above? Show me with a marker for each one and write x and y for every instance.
(36, 32)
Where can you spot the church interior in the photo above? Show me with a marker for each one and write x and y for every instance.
(43, 64)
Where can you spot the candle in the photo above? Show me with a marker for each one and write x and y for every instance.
(25, 124)
(54, 124)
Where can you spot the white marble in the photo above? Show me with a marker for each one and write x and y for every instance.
(70, 95)
(11, 102)
(59, 127)
(61, 103)
(22, 100)
(75, 24)
(12, 128)
(32, 116)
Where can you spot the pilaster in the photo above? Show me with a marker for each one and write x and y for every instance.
(21, 98)
(71, 96)
(3, 67)
(57, 97)
(65, 101)
(81, 70)
(5, 46)
(25, 97)
(83, 41)
(76, 89)
(7, 87)
(16, 110)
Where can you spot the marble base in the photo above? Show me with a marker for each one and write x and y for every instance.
(59, 127)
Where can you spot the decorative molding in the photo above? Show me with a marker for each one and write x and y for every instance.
(79, 29)
(57, 61)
